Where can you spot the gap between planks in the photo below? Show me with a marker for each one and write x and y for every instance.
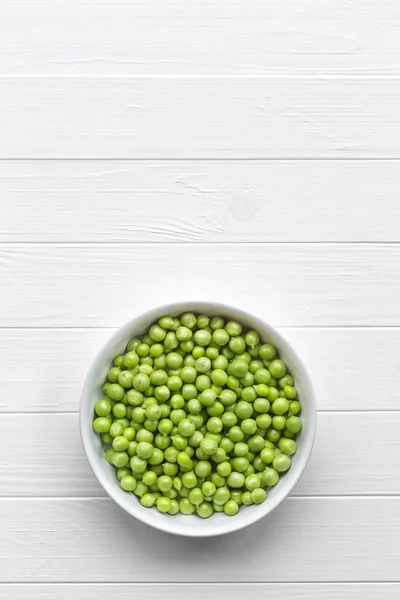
(238, 243)
(213, 76)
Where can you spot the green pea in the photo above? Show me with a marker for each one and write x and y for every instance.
(262, 376)
(208, 446)
(148, 500)
(293, 424)
(183, 333)
(144, 436)
(220, 336)
(216, 409)
(214, 425)
(163, 504)
(237, 344)
(226, 444)
(230, 508)
(189, 391)
(212, 352)
(258, 495)
(115, 391)
(106, 438)
(273, 394)
(188, 374)
(246, 498)
(109, 455)
(102, 408)
(120, 459)
(221, 495)
(255, 443)
(281, 463)
(218, 480)
(252, 482)
(132, 448)
(207, 397)
(235, 434)
(238, 368)
(247, 381)
(115, 429)
(202, 337)
(174, 507)
(187, 347)
(236, 480)
(287, 446)
(267, 352)
(203, 383)
(101, 425)
(294, 407)
(189, 480)
(186, 507)
(198, 352)
(285, 432)
(289, 392)
(249, 394)
(280, 406)
(277, 368)
(157, 457)
(128, 483)
(244, 410)
(158, 377)
(120, 443)
(278, 423)
(227, 397)
(131, 359)
(240, 464)
(196, 496)
(240, 449)
(135, 398)
(217, 323)
(220, 363)
(162, 393)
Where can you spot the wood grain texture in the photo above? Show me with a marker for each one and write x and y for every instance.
(199, 591)
(347, 458)
(200, 201)
(100, 117)
(331, 539)
(350, 368)
(46, 36)
(104, 285)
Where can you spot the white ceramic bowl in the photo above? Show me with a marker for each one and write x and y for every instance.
(192, 525)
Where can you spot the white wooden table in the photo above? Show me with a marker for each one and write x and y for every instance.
(246, 152)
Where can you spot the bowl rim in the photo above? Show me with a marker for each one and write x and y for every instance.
(85, 431)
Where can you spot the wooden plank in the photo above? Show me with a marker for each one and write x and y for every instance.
(263, 117)
(287, 284)
(45, 36)
(198, 591)
(347, 458)
(52, 378)
(331, 539)
(224, 201)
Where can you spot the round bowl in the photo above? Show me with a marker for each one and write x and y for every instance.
(180, 524)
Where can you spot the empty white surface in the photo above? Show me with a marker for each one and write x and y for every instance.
(134, 106)
(200, 117)
(199, 37)
(200, 201)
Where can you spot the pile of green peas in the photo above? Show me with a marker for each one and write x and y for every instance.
(199, 416)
